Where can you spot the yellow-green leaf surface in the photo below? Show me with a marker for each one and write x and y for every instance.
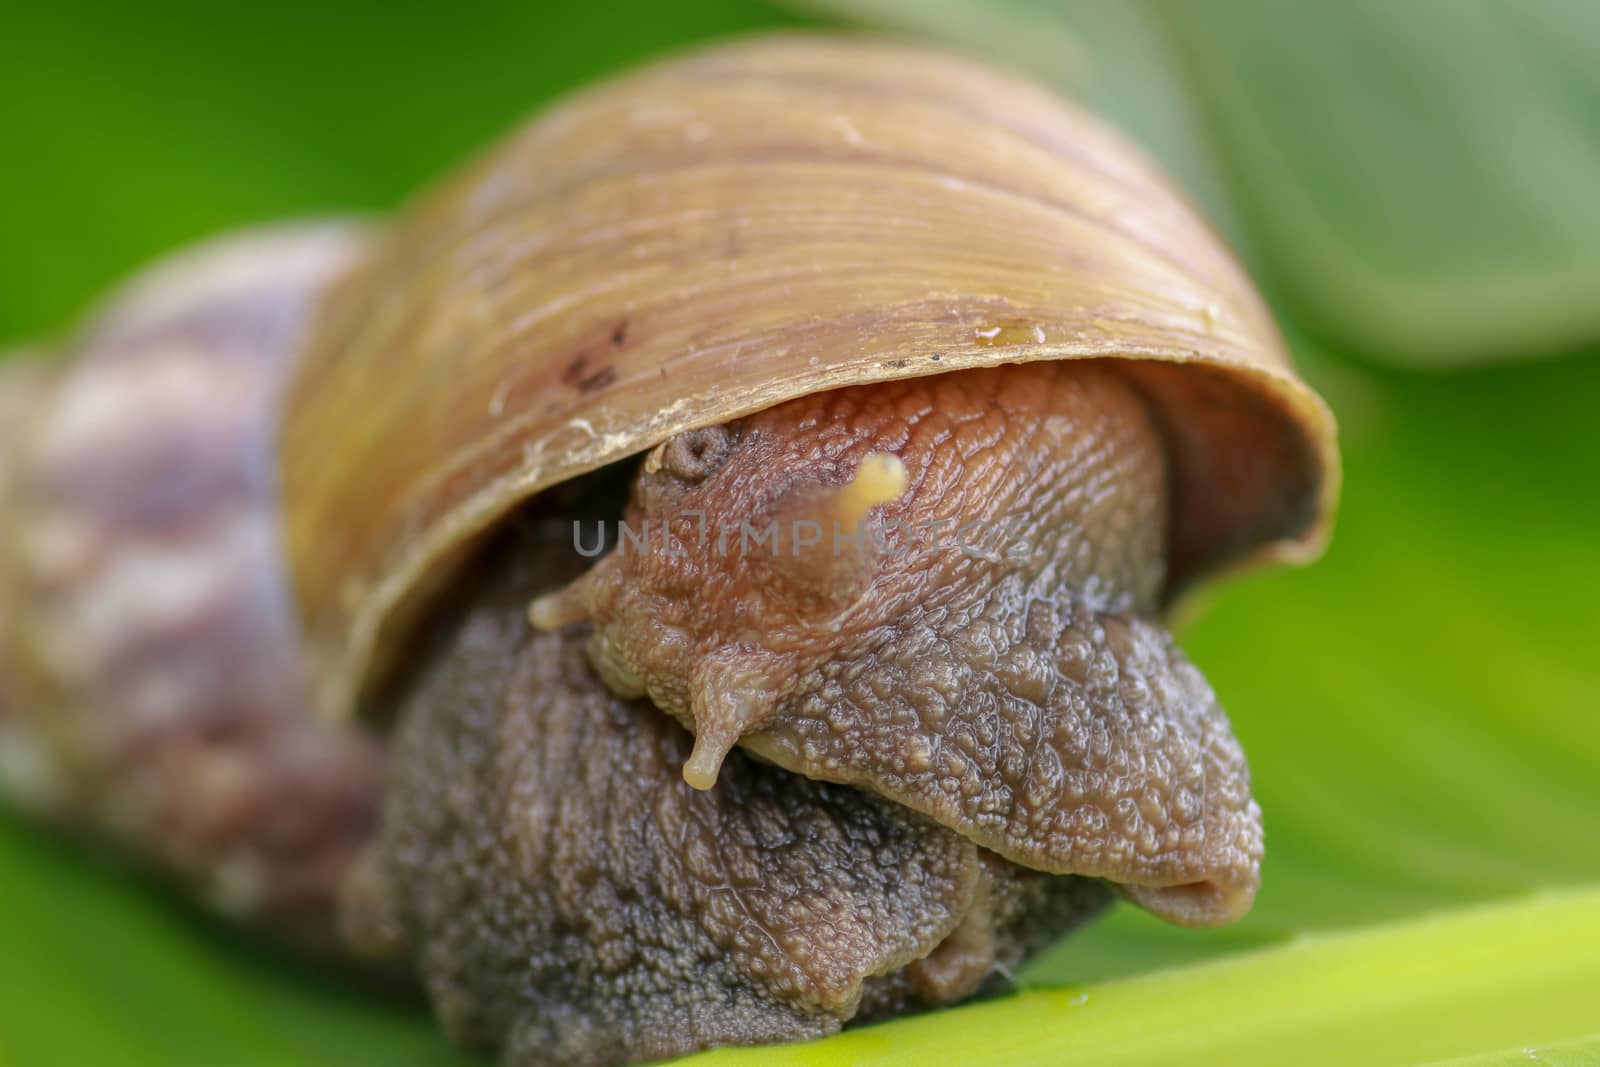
(1422, 709)
(1394, 994)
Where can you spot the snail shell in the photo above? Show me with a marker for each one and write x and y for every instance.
(152, 683)
(735, 228)
(342, 417)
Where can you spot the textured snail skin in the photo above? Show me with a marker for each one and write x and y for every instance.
(570, 900)
(1020, 693)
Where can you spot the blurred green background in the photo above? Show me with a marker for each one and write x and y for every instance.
(1416, 184)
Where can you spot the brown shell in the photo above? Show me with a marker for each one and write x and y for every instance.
(731, 229)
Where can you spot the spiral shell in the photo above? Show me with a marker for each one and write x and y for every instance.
(738, 227)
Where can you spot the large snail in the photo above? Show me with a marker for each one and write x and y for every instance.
(944, 399)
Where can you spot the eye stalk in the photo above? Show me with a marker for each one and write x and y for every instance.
(828, 560)
(880, 479)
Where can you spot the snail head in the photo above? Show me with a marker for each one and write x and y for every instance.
(945, 590)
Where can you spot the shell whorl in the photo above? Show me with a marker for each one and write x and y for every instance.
(155, 669)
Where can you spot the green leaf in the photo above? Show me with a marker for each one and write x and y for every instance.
(1393, 994)
(128, 130)
(1420, 708)
(1420, 176)
(1584, 1052)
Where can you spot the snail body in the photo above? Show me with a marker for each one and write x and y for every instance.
(574, 901)
(944, 401)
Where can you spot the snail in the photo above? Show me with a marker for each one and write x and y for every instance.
(914, 402)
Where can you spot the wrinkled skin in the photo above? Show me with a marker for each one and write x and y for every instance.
(570, 900)
(1018, 690)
